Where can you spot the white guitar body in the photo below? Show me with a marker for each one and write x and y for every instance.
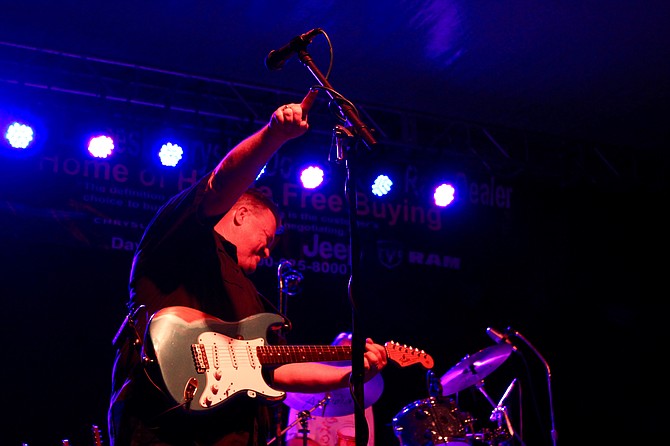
(233, 367)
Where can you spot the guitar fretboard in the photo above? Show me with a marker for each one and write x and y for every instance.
(285, 354)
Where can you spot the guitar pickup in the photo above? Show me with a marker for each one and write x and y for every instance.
(200, 360)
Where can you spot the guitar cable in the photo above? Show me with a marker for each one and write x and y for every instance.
(288, 325)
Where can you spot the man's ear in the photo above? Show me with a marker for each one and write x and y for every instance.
(240, 214)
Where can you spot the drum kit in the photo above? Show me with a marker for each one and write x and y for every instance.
(432, 421)
(438, 421)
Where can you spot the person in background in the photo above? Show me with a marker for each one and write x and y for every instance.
(334, 430)
(198, 252)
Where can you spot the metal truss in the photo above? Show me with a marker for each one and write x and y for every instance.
(218, 104)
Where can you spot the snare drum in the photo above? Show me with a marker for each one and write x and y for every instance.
(346, 437)
(431, 421)
(295, 441)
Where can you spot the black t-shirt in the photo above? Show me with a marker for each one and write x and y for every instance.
(182, 261)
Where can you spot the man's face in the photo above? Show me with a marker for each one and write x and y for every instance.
(254, 237)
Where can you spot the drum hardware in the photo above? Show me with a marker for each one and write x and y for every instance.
(303, 419)
(433, 385)
(504, 336)
(340, 401)
(499, 415)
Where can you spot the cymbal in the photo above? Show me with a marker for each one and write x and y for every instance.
(474, 368)
(340, 403)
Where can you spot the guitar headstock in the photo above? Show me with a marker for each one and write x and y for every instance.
(405, 356)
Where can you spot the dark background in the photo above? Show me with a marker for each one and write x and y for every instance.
(567, 104)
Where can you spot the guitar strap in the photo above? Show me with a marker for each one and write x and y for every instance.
(288, 326)
(128, 330)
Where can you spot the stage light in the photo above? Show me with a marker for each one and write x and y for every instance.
(311, 177)
(170, 154)
(19, 135)
(382, 185)
(444, 195)
(101, 146)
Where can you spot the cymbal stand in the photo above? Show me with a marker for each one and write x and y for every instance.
(303, 418)
(499, 413)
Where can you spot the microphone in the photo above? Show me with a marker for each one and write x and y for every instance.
(276, 59)
(289, 278)
(284, 266)
(499, 336)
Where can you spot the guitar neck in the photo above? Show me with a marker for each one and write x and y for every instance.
(402, 355)
(97, 441)
(286, 354)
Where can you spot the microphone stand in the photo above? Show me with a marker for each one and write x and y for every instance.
(346, 138)
(554, 434)
(360, 129)
(289, 285)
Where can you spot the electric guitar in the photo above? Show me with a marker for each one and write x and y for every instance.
(202, 361)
